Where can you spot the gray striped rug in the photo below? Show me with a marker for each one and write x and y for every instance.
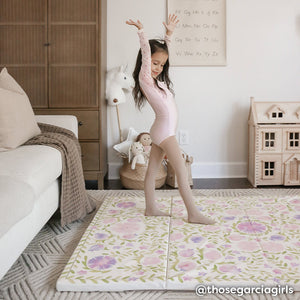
(34, 274)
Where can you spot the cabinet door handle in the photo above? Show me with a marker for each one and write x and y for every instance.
(80, 123)
(47, 44)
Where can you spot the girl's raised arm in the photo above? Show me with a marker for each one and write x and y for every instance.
(137, 24)
(171, 25)
(145, 72)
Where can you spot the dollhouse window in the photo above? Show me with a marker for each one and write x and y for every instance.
(269, 141)
(276, 115)
(269, 169)
(275, 112)
(294, 140)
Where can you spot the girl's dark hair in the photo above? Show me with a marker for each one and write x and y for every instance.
(155, 46)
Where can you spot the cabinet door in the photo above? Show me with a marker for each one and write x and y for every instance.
(23, 46)
(73, 56)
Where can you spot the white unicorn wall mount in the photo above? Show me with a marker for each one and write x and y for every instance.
(117, 83)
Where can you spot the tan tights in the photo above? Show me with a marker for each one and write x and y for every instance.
(171, 148)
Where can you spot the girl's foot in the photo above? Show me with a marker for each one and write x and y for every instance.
(155, 212)
(198, 218)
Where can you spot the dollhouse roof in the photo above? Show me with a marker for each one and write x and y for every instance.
(274, 112)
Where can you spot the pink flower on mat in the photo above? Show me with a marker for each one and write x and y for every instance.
(134, 220)
(289, 257)
(159, 251)
(272, 246)
(277, 271)
(295, 201)
(249, 227)
(113, 211)
(179, 201)
(109, 220)
(129, 236)
(297, 244)
(234, 212)
(126, 204)
(126, 227)
(81, 272)
(178, 222)
(186, 253)
(248, 246)
(255, 212)
(210, 245)
(210, 201)
(101, 262)
(176, 236)
(229, 269)
(236, 237)
(140, 273)
(151, 260)
(187, 278)
(291, 227)
(186, 266)
(212, 255)
(143, 247)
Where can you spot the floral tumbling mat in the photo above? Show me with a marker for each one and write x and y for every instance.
(255, 241)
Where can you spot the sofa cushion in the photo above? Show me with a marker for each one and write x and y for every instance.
(36, 165)
(16, 201)
(17, 121)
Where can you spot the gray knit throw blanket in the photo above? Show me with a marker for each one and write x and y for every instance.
(74, 201)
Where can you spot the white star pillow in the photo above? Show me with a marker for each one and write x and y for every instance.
(123, 147)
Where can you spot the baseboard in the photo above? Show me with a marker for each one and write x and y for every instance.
(200, 170)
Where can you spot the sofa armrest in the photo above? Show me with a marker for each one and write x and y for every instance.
(65, 121)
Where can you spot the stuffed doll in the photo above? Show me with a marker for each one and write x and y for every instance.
(136, 154)
(145, 139)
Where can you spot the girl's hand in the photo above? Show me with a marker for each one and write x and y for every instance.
(137, 24)
(172, 22)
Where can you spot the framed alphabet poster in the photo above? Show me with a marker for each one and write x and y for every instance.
(200, 36)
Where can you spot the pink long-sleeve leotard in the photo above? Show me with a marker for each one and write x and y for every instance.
(161, 101)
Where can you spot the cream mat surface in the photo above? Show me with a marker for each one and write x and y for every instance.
(255, 241)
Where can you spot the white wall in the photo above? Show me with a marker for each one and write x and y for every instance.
(263, 60)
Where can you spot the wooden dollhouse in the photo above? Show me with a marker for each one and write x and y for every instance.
(274, 143)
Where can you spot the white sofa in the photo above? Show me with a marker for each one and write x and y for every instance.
(29, 192)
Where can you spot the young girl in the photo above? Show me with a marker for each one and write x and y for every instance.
(152, 84)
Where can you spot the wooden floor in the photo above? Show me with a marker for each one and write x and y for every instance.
(205, 183)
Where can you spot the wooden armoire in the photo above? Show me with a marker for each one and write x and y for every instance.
(56, 50)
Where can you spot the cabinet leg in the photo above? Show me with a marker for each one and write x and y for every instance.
(100, 182)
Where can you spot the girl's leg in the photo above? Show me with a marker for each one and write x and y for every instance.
(156, 157)
(171, 148)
